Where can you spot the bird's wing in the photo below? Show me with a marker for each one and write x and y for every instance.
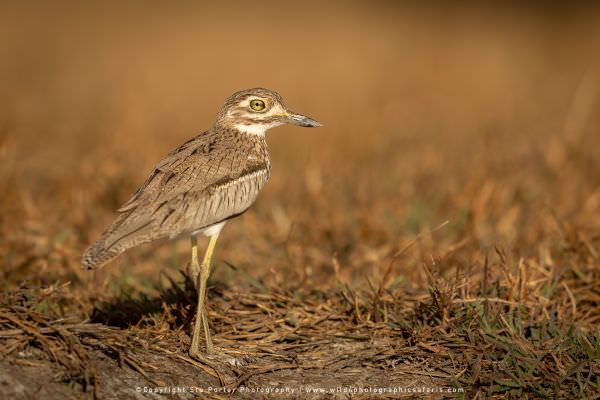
(189, 189)
(166, 169)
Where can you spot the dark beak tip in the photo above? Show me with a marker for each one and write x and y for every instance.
(303, 120)
(310, 123)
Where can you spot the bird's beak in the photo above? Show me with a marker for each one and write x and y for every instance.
(301, 120)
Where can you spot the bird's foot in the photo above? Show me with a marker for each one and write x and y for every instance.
(217, 356)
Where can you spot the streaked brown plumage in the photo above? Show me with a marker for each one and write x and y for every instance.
(211, 178)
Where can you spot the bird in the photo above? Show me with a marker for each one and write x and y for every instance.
(198, 187)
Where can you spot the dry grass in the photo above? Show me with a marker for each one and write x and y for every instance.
(344, 272)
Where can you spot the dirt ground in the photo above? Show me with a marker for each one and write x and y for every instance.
(269, 345)
(438, 237)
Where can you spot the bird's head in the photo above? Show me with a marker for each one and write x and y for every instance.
(254, 111)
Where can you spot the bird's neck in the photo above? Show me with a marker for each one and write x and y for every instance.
(254, 129)
(248, 127)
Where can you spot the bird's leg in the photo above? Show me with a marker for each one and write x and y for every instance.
(201, 314)
(194, 270)
(195, 275)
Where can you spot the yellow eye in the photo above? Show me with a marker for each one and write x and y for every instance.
(257, 105)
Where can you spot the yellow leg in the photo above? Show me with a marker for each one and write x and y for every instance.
(195, 265)
(195, 274)
(201, 315)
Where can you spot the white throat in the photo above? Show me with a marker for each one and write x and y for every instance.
(256, 129)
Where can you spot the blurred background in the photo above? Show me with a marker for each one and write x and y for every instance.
(483, 116)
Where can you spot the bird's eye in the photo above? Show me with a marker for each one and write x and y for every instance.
(257, 105)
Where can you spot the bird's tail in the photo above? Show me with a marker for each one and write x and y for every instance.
(98, 254)
(106, 248)
(127, 231)
(109, 246)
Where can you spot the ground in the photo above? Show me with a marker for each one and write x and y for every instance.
(440, 232)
